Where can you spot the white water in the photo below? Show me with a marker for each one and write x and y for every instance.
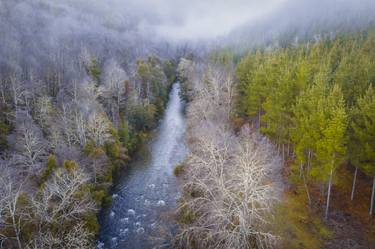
(146, 194)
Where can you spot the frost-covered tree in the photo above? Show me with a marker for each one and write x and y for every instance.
(229, 194)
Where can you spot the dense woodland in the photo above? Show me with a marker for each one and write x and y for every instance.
(315, 102)
(61, 143)
(72, 112)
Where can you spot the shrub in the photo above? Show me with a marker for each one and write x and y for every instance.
(142, 117)
(4, 131)
(70, 165)
(51, 166)
(99, 195)
(178, 170)
(91, 223)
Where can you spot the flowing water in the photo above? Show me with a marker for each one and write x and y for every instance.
(146, 192)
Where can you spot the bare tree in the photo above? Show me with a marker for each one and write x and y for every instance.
(17, 91)
(43, 110)
(113, 89)
(98, 127)
(31, 144)
(64, 127)
(76, 237)
(62, 198)
(231, 178)
(12, 214)
(79, 123)
(98, 162)
(231, 184)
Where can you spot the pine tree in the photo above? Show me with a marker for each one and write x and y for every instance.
(331, 148)
(278, 108)
(253, 86)
(308, 116)
(353, 76)
(363, 137)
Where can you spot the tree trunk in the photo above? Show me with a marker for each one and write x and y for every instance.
(94, 171)
(259, 120)
(17, 236)
(372, 196)
(307, 189)
(329, 193)
(2, 93)
(309, 159)
(354, 182)
(15, 224)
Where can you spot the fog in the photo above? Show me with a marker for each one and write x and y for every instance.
(197, 20)
(179, 20)
(33, 31)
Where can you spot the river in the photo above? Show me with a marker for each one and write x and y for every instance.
(145, 195)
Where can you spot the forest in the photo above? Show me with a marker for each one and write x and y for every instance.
(316, 102)
(71, 116)
(279, 117)
(307, 111)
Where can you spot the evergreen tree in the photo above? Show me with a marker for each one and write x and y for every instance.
(331, 148)
(362, 148)
(255, 87)
(278, 108)
(301, 95)
(307, 120)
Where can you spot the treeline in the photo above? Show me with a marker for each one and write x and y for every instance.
(316, 101)
(61, 140)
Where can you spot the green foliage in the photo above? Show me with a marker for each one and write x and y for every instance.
(89, 147)
(253, 86)
(91, 223)
(331, 147)
(4, 131)
(222, 57)
(298, 226)
(313, 98)
(301, 95)
(70, 165)
(152, 78)
(353, 74)
(362, 133)
(169, 67)
(307, 117)
(278, 106)
(179, 169)
(48, 171)
(128, 138)
(112, 149)
(105, 178)
(99, 195)
(107, 201)
(4, 127)
(185, 215)
(143, 117)
(94, 71)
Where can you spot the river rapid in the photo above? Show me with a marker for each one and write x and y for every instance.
(146, 192)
